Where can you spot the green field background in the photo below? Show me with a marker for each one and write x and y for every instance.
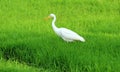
(29, 44)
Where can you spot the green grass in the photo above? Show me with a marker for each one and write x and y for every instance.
(28, 43)
(10, 66)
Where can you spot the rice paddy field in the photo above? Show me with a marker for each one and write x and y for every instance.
(29, 44)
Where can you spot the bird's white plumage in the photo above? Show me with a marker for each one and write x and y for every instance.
(69, 35)
(64, 33)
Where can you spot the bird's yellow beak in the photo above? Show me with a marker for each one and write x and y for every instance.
(47, 18)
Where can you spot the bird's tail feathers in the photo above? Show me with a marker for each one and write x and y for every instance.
(82, 39)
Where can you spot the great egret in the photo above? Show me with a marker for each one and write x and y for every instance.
(64, 33)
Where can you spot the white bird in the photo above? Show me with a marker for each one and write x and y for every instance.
(64, 33)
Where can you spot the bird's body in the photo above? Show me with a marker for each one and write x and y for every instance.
(66, 34)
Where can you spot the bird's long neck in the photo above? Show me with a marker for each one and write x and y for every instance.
(53, 24)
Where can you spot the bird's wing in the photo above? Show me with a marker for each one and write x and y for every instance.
(69, 34)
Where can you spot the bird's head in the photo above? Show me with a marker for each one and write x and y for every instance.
(50, 16)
